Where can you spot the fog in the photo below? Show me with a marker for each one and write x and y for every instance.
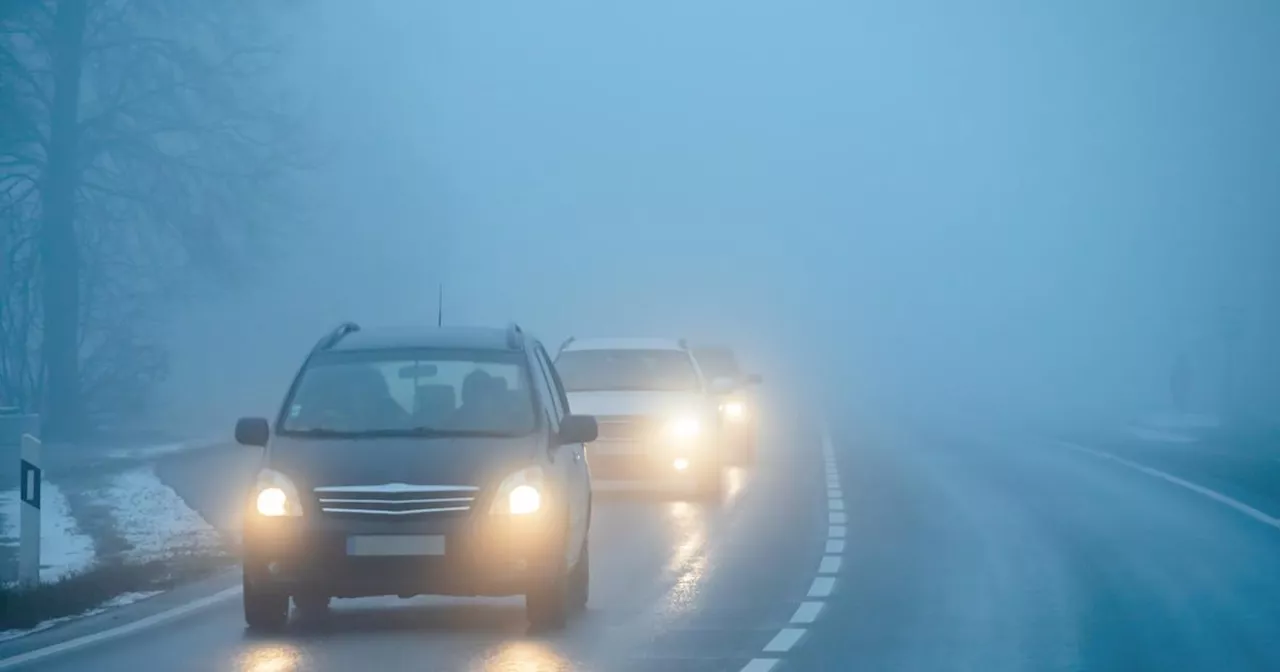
(993, 208)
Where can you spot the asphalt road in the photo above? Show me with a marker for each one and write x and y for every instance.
(962, 551)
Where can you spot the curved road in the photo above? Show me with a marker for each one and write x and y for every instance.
(960, 552)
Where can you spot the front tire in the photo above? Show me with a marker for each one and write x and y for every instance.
(547, 605)
(312, 604)
(580, 578)
(265, 610)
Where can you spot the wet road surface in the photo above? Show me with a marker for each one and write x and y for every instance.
(961, 551)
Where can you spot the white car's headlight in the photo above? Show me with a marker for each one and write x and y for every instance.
(276, 495)
(734, 410)
(520, 494)
(684, 428)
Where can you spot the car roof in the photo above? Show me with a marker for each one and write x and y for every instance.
(625, 344)
(387, 338)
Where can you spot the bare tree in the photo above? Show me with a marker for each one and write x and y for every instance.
(158, 148)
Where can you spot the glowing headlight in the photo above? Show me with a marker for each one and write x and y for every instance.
(525, 499)
(520, 494)
(277, 496)
(684, 428)
(734, 410)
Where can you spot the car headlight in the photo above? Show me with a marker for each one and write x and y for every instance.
(734, 410)
(684, 428)
(277, 496)
(520, 494)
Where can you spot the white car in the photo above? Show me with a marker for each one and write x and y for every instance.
(658, 415)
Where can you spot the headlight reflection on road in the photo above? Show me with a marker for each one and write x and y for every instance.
(525, 657)
(734, 482)
(688, 559)
(273, 658)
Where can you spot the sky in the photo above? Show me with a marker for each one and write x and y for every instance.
(1001, 206)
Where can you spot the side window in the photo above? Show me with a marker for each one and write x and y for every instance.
(551, 382)
(556, 383)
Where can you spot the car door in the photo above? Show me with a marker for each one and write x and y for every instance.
(579, 474)
(565, 458)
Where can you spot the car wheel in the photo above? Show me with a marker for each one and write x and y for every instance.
(264, 609)
(547, 605)
(311, 604)
(580, 578)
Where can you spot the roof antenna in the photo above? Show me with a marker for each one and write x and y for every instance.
(440, 307)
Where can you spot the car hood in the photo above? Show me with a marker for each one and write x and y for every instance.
(467, 461)
(603, 404)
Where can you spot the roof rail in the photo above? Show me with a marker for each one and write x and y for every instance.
(566, 343)
(331, 339)
(515, 336)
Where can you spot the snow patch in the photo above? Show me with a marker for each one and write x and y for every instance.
(64, 550)
(152, 518)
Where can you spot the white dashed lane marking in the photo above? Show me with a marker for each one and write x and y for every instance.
(822, 586)
(784, 640)
(807, 612)
(825, 582)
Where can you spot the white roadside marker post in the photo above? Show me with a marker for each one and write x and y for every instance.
(29, 516)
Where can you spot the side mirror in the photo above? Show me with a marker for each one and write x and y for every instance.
(755, 379)
(723, 385)
(252, 431)
(578, 429)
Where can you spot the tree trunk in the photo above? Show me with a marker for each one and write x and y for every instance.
(59, 247)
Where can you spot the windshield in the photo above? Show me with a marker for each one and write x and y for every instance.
(414, 392)
(717, 362)
(616, 370)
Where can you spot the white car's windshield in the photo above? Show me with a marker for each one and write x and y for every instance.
(621, 370)
(412, 392)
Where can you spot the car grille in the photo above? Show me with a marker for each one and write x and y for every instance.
(624, 428)
(395, 500)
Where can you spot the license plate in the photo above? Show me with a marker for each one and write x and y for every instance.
(395, 544)
(615, 448)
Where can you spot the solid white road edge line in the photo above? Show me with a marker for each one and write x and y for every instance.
(835, 546)
(822, 586)
(121, 631)
(784, 640)
(807, 612)
(1198, 489)
(829, 565)
(760, 665)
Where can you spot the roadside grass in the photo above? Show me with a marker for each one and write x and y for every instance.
(81, 593)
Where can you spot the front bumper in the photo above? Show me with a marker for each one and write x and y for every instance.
(482, 555)
(641, 460)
